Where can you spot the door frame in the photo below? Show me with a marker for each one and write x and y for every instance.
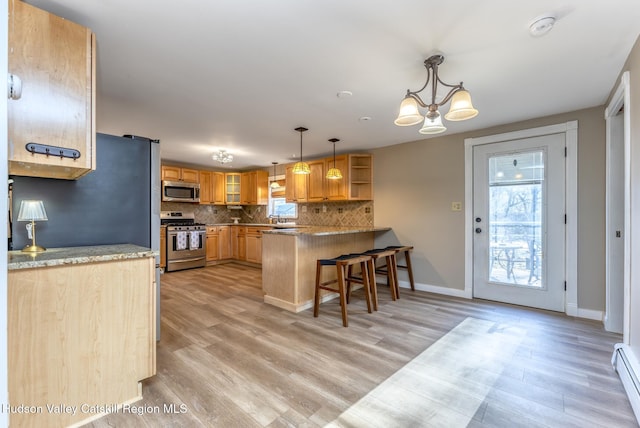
(620, 98)
(570, 129)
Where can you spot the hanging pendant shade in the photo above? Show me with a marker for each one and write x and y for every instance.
(274, 183)
(334, 173)
(409, 113)
(461, 107)
(432, 124)
(301, 167)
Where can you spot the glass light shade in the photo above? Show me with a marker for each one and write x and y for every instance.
(461, 107)
(31, 210)
(409, 113)
(433, 125)
(334, 174)
(275, 185)
(301, 168)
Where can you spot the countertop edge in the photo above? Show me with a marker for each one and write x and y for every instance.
(325, 230)
(76, 255)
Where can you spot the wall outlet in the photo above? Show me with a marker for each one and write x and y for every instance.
(324, 208)
(456, 206)
(303, 209)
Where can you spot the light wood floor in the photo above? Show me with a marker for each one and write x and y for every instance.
(233, 361)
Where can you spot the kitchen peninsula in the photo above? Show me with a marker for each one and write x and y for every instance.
(289, 260)
(81, 330)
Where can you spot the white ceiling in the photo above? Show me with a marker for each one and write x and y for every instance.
(240, 75)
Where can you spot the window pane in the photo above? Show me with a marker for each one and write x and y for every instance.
(516, 191)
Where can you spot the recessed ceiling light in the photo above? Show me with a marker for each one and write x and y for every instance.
(365, 118)
(542, 25)
(344, 94)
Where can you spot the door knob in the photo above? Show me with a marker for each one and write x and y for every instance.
(478, 219)
(478, 230)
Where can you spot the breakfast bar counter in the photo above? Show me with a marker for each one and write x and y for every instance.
(289, 259)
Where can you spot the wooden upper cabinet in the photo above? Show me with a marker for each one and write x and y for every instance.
(337, 190)
(360, 183)
(356, 182)
(176, 173)
(217, 188)
(232, 188)
(296, 186)
(316, 181)
(254, 188)
(55, 59)
(206, 187)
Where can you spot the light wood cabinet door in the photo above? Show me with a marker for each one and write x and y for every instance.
(337, 190)
(205, 188)
(163, 246)
(316, 179)
(55, 59)
(242, 243)
(232, 188)
(171, 173)
(247, 187)
(296, 186)
(176, 173)
(224, 242)
(190, 175)
(212, 243)
(217, 188)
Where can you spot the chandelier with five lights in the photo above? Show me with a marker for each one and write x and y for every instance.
(460, 109)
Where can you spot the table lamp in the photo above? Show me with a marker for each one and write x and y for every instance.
(32, 211)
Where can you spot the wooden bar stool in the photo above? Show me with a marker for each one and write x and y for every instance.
(343, 266)
(389, 257)
(406, 249)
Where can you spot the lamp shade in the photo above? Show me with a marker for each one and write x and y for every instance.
(433, 124)
(301, 168)
(409, 113)
(461, 107)
(31, 210)
(334, 174)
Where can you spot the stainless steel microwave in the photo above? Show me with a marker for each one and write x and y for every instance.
(179, 191)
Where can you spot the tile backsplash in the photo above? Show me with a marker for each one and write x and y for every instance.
(351, 213)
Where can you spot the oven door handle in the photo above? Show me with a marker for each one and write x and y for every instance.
(195, 259)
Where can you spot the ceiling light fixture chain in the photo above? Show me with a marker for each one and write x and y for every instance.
(461, 107)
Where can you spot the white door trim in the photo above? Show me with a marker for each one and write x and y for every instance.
(571, 176)
(621, 97)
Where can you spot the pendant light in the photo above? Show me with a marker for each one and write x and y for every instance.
(334, 173)
(274, 183)
(301, 167)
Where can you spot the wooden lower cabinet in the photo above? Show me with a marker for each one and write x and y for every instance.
(163, 247)
(254, 243)
(224, 242)
(79, 335)
(242, 243)
(212, 243)
(218, 243)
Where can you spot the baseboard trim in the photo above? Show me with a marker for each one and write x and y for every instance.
(626, 365)
(453, 292)
(590, 314)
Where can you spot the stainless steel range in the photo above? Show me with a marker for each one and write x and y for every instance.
(186, 241)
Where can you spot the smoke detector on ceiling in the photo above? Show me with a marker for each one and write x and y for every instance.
(542, 25)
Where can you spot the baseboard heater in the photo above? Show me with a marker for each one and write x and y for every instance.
(626, 364)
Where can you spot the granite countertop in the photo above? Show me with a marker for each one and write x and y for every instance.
(76, 255)
(325, 230)
(274, 225)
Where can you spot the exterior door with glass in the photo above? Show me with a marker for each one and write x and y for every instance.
(519, 222)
